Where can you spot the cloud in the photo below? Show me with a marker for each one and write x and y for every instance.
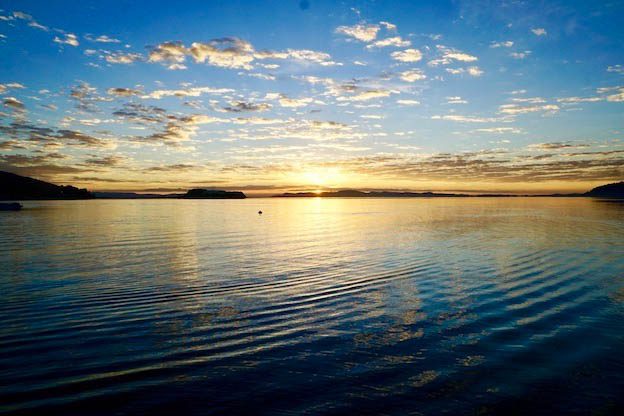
(408, 102)
(539, 31)
(389, 26)
(520, 55)
(499, 130)
(122, 58)
(106, 161)
(504, 44)
(514, 109)
(14, 103)
(240, 106)
(455, 100)
(102, 39)
(294, 102)
(86, 97)
(395, 41)
(10, 85)
(123, 92)
(473, 71)
(366, 95)
(230, 52)
(407, 55)
(171, 52)
(575, 100)
(188, 92)
(139, 113)
(176, 167)
(361, 32)
(449, 55)
(616, 68)
(412, 75)
(557, 146)
(69, 39)
(466, 119)
(225, 52)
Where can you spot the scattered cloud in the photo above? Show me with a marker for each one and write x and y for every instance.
(412, 75)
(539, 31)
(503, 44)
(67, 39)
(407, 55)
(361, 32)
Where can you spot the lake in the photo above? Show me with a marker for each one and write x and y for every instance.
(317, 306)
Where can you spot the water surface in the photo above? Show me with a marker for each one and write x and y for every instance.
(318, 306)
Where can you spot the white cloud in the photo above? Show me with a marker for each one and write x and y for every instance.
(408, 55)
(412, 75)
(69, 39)
(539, 31)
(189, 92)
(366, 95)
(294, 102)
(514, 109)
(520, 55)
(389, 26)
(395, 41)
(122, 58)
(456, 100)
(466, 119)
(102, 39)
(232, 53)
(408, 102)
(473, 71)
(361, 32)
(503, 44)
(448, 55)
(616, 68)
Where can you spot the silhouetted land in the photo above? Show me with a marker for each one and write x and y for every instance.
(612, 190)
(213, 194)
(18, 187)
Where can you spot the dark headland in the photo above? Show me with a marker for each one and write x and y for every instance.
(20, 188)
(16, 187)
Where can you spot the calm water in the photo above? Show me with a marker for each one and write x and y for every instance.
(368, 306)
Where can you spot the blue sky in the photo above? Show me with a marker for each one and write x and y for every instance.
(288, 95)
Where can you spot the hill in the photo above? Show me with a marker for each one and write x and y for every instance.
(612, 190)
(16, 187)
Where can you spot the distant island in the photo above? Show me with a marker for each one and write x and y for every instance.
(349, 193)
(213, 194)
(15, 187)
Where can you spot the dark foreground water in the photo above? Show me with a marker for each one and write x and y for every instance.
(361, 306)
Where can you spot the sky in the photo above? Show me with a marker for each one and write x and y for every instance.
(273, 96)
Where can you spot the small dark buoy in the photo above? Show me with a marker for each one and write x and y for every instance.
(259, 212)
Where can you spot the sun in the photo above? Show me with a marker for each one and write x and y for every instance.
(322, 178)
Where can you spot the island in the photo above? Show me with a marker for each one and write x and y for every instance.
(213, 194)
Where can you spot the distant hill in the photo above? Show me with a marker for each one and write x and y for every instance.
(16, 187)
(213, 194)
(612, 190)
(349, 193)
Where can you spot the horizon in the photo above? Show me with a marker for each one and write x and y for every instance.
(312, 96)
